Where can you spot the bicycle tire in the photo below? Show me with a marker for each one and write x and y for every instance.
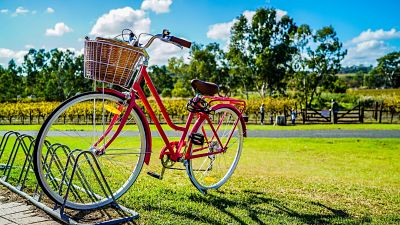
(48, 156)
(202, 171)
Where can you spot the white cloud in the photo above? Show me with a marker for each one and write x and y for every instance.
(4, 11)
(50, 10)
(368, 46)
(221, 31)
(115, 20)
(249, 15)
(7, 54)
(157, 6)
(29, 46)
(58, 30)
(366, 53)
(74, 50)
(376, 35)
(160, 52)
(280, 14)
(20, 11)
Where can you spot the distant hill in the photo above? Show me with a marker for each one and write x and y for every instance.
(355, 69)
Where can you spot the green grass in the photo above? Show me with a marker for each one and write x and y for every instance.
(249, 127)
(282, 181)
(294, 181)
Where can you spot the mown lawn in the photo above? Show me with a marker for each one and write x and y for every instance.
(292, 181)
(282, 181)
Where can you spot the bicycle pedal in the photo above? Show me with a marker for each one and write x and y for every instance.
(154, 174)
(197, 138)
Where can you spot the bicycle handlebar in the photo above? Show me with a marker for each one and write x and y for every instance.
(166, 38)
(181, 42)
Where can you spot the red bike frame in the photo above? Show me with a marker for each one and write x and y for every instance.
(172, 149)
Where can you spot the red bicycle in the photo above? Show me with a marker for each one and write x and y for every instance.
(111, 125)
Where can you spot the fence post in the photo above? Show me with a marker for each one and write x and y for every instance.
(380, 113)
(30, 116)
(392, 112)
(361, 117)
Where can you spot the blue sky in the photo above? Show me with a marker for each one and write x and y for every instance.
(368, 29)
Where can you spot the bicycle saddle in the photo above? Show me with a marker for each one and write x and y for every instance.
(204, 88)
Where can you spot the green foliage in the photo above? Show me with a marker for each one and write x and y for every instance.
(162, 79)
(167, 92)
(355, 69)
(345, 101)
(339, 86)
(260, 50)
(389, 67)
(355, 80)
(52, 76)
(180, 91)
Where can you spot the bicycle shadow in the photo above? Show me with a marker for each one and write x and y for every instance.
(252, 201)
(253, 207)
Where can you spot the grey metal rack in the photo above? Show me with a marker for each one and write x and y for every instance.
(14, 174)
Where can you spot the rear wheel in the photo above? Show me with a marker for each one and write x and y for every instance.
(76, 125)
(212, 171)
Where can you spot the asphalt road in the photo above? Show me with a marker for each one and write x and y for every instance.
(273, 133)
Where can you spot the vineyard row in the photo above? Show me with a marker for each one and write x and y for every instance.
(34, 112)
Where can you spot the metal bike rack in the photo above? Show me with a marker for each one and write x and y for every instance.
(14, 174)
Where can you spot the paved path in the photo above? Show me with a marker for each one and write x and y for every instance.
(271, 133)
(325, 133)
(19, 213)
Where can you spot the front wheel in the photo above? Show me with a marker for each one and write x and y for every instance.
(80, 124)
(206, 169)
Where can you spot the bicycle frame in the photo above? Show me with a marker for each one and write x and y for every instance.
(168, 149)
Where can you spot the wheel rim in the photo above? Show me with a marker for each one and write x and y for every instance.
(121, 163)
(210, 172)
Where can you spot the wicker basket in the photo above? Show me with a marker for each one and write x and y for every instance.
(111, 61)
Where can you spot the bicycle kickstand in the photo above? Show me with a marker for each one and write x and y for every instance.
(156, 175)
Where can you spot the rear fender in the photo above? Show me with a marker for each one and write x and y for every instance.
(233, 108)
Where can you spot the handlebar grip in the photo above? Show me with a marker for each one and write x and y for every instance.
(181, 42)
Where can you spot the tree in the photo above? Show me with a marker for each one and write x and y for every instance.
(241, 66)
(178, 69)
(263, 49)
(161, 78)
(11, 83)
(34, 63)
(389, 67)
(299, 64)
(208, 63)
(322, 63)
(374, 79)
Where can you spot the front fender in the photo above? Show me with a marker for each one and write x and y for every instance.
(142, 117)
